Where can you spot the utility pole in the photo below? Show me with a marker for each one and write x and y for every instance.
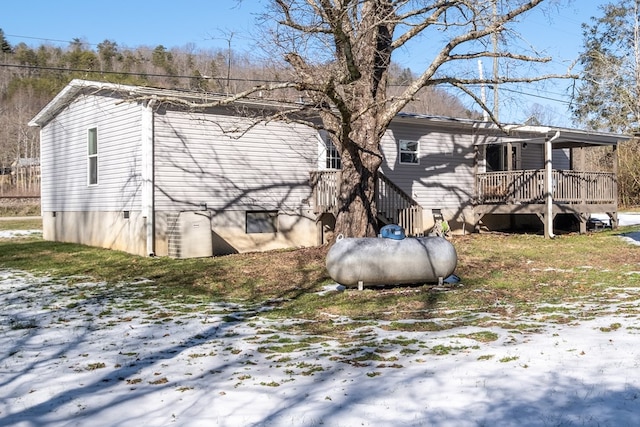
(229, 63)
(508, 151)
(494, 39)
(483, 93)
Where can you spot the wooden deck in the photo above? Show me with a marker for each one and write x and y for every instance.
(523, 192)
(394, 206)
(527, 186)
(508, 192)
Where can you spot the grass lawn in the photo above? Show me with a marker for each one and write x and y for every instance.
(8, 223)
(535, 327)
(502, 274)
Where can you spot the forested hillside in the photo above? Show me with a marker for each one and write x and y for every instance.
(30, 76)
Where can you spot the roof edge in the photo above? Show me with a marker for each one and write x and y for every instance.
(68, 93)
(76, 86)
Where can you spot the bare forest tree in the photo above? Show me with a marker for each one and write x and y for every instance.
(340, 54)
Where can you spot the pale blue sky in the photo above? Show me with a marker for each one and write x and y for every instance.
(207, 24)
(129, 23)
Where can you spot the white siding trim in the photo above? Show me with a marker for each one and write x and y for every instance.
(322, 150)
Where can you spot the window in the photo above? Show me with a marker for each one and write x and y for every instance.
(333, 157)
(262, 222)
(408, 151)
(496, 157)
(92, 156)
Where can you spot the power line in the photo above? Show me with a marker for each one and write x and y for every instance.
(49, 40)
(224, 78)
(132, 73)
(519, 92)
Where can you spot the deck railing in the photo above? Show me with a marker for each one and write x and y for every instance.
(527, 186)
(393, 204)
(398, 207)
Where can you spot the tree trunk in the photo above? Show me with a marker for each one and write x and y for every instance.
(361, 159)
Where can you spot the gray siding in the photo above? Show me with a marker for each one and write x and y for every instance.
(64, 157)
(533, 157)
(444, 178)
(561, 159)
(199, 159)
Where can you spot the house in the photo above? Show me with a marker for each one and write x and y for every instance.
(163, 172)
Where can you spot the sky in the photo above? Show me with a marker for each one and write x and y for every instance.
(209, 24)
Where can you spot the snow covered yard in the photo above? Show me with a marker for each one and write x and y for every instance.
(80, 353)
(88, 354)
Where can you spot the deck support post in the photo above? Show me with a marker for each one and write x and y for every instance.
(582, 219)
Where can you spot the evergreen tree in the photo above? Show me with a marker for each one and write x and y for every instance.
(5, 47)
(609, 94)
(108, 51)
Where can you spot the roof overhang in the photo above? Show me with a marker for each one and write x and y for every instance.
(561, 137)
(514, 133)
(69, 93)
(186, 99)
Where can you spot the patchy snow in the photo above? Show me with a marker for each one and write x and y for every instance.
(9, 234)
(624, 219)
(91, 354)
(88, 354)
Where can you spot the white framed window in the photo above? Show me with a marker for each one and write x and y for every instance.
(261, 222)
(92, 156)
(408, 152)
(328, 155)
(333, 157)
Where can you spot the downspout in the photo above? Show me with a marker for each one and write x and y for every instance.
(548, 180)
(147, 155)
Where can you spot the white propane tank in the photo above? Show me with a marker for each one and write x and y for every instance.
(386, 261)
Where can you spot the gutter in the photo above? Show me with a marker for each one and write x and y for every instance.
(148, 175)
(548, 180)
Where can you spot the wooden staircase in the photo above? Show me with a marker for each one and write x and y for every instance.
(394, 205)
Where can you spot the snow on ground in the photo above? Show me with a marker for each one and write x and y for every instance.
(78, 355)
(624, 219)
(9, 234)
(88, 354)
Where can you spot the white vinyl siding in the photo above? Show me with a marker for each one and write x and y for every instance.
(64, 157)
(199, 161)
(444, 178)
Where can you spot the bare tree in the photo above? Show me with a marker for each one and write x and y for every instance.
(340, 52)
